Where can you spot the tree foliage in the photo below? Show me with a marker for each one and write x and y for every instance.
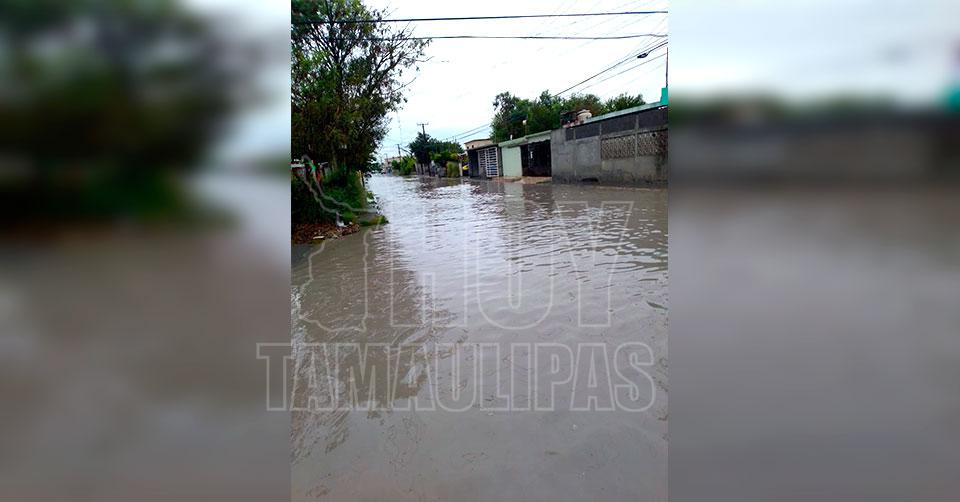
(427, 148)
(544, 112)
(622, 102)
(101, 117)
(403, 166)
(346, 78)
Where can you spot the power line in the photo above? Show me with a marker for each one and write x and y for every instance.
(530, 37)
(644, 74)
(615, 25)
(646, 48)
(469, 131)
(645, 61)
(647, 52)
(618, 63)
(601, 23)
(565, 7)
(628, 58)
(652, 46)
(601, 72)
(474, 18)
(649, 48)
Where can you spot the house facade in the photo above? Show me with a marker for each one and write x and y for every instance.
(527, 156)
(483, 157)
(628, 147)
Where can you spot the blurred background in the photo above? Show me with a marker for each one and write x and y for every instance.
(145, 213)
(814, 251)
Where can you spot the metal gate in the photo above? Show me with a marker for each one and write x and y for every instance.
(489, 161)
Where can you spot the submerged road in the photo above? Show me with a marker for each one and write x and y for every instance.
(495, 295)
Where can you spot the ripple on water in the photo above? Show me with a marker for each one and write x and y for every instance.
(476, 262)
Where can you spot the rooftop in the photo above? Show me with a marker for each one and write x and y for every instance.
(530, 138)
(625, 111)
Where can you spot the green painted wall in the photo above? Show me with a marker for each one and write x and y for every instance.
(511, 161)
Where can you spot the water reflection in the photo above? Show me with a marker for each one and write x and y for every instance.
(468, 263)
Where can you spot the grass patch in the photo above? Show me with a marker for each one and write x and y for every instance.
(375, 221)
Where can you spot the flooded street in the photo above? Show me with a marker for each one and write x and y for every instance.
(504, 269)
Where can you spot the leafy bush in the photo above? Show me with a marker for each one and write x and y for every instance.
(303, 207)
(99, 121)
(376, 220)
(403, 166)
(453, 169)
(345, 79)
(444, 156)
(515, 117)
(427, 148)
(340, 193)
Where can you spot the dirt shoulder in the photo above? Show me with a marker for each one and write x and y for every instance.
(309, 233)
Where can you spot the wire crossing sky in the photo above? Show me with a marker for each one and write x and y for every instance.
(479, 18)
(530, 37)
(454, 91)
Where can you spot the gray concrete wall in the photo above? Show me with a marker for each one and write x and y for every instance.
(624, 150)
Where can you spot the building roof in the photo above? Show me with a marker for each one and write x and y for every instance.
(474, 144)
(530, 138)
(625, 111)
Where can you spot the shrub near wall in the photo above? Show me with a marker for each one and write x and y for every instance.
(403, 167)
(341, 193)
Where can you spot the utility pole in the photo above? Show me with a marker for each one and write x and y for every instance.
(423, 127)
(398, 151)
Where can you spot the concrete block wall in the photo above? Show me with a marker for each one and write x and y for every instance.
(623, 150)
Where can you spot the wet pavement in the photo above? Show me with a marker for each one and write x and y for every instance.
(466, 264)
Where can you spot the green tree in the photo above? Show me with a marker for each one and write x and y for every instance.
(427, 148)
(404, 166)
(622, 102)
(515, 117)
(100, 117)
(544, 113)
(421, 148)
(577, 102)
(345, 79)
(509, 114)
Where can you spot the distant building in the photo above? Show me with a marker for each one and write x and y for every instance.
(483, 158)
(627, 147)
(388, 163)
(477, 143)
(527, 156)
(572, 118)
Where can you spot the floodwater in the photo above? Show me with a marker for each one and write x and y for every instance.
(468, 264)
(127, 368)
(815, 334)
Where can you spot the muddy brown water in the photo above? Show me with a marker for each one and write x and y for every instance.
(467, 263)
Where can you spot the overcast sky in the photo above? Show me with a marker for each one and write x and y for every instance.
(904, 49)
(262, 128)
(907, 49)
(454, 91)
